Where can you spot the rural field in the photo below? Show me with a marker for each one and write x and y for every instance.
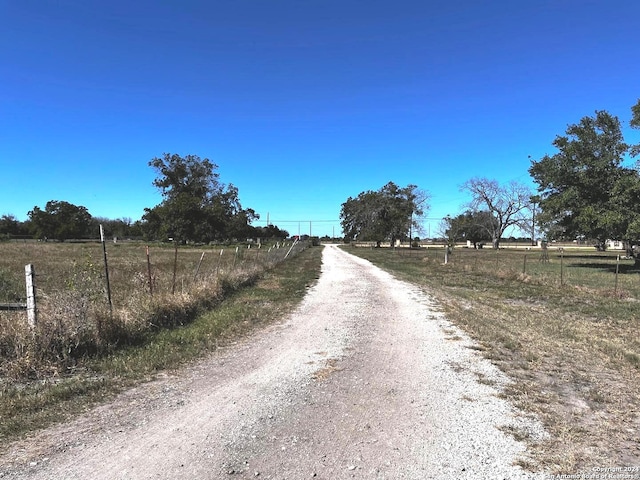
(144, 287)
(564, 330)
(84, 347)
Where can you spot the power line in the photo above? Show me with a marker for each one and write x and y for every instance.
(271, 221)
(323, 221)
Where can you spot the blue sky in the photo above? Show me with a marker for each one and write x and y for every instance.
(301, 103)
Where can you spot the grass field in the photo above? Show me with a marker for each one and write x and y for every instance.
(62, 265)
(563, 331)
(33, 402)
(166, 288)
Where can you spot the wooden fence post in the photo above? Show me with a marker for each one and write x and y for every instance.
(219, 261)
(30, 274)
(292, 245)
(175, 268)
(195, 275)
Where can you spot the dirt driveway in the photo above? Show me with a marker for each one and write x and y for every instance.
(366, 379)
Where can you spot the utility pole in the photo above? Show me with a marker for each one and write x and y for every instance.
(534, 199)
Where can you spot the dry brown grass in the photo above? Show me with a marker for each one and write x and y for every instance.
(326, 371)
(74, 316)
(28, 404)
(585, 392)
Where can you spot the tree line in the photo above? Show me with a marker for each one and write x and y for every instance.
(585, 191)
(196, 207)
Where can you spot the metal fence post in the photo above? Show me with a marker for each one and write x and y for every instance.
(106, 272)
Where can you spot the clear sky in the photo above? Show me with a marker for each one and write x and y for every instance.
(301, 103)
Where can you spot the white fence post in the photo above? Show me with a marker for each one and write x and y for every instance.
(292, 245)
(29, 273)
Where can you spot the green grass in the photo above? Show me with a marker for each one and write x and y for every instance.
(28, 405)
(567, 339)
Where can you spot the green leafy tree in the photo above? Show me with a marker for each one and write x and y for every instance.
(11, 226)
(271, 231)
(508, 205)
(624, 217)
(119, 228)
(238, 226)
(387, 214)
(196, 206)
(472, 226)
(626, 197)
(635, 123)
(152, 223)
(227, 218)
(188, 186)
(60, 220)
(584, 187)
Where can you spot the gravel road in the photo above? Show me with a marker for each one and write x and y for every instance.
(365, 379)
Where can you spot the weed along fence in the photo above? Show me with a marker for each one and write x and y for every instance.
(91, 295)
(30, 305)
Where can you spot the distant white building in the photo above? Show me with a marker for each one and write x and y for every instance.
(615, 245)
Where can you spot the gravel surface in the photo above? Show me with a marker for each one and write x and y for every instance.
(365, 379)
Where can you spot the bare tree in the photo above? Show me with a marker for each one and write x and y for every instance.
(508, 204)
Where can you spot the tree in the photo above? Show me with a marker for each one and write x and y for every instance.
(626, 197)
(196, 206)
(270, 231)
(152, 223)
(118, 228)
(472, 226)
(60, 220)
(635, 123)
(624, 216)
(386, 214)
(188, 186)
(239, 224)
(11, 226)
(227, 218)
(506, 204)
(582, 187)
